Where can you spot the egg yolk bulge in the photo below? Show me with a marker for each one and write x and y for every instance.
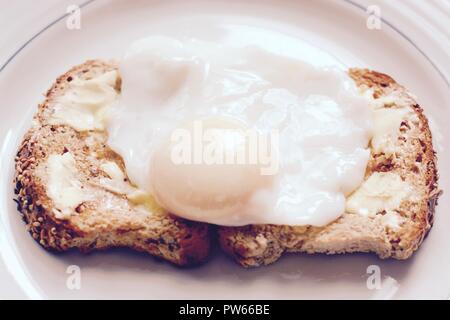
(210, 168)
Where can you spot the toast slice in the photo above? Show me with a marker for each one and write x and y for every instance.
(389, 214)
(73, 192)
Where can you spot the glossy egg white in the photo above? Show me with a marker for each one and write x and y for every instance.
(313, 120)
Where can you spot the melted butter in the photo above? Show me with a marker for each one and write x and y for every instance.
(387, 123)
(63, 186)
(117, 183)
(113, 171)
(66, 192)
(142, 198)
(381, 191)
(84, 103)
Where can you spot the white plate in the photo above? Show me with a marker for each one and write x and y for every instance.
(414, 56)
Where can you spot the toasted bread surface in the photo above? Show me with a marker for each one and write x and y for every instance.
(107, 219)
(401, 177)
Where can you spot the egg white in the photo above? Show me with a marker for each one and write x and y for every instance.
(323, 126)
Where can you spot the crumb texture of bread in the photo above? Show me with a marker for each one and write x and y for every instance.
(104, 216)
(389, 214)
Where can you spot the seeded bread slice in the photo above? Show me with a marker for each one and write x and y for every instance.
(107, 219)
(389, 214)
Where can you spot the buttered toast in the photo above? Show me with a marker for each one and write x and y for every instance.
(389, 214)
(73, 192)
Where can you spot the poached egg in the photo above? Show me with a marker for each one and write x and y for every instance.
(235, 136)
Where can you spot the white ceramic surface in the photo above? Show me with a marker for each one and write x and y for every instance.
(416, 56)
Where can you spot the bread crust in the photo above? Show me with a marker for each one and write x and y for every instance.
(176, 240)
(414, 161)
